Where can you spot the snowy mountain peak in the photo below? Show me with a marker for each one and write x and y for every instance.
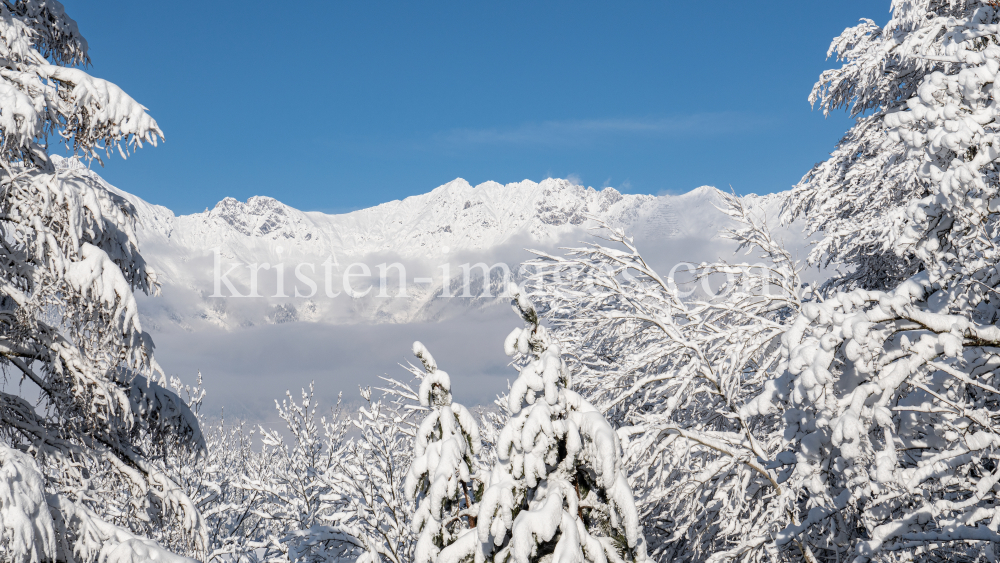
(456, 186)
(701, 191)
(260, 216)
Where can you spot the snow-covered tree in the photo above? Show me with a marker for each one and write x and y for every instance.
(922, 88)
(69, 327)
(891, 395)
(221, 481)
(558, 491)
(948, 128)
(672, 372)
(441, 477)
(330, 497)
(856, 197)
(296, 495)
(371, 477)
(223, 484)
(889, 412)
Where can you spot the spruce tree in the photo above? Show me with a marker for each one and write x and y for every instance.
(441, 477)
(558, 492)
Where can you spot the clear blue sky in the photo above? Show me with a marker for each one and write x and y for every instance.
(338, 105)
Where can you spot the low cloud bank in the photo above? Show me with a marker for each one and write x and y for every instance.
(246, 370)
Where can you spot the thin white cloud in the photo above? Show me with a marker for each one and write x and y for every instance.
(585, 131)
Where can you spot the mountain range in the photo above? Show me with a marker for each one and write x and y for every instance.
(454, 224)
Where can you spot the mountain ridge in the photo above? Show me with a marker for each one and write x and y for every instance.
(488, 221)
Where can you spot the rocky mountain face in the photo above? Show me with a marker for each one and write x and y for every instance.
(453, 224)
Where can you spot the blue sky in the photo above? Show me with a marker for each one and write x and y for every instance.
(340, 105)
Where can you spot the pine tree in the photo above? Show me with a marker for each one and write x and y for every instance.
(441, 478)
(557, 492)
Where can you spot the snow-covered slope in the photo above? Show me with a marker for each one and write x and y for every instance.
(455, 223)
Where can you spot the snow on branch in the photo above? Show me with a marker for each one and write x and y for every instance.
(98, 112)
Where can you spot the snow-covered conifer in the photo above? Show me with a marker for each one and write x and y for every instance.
(441, 477)
(68, 319)
(558, 491)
